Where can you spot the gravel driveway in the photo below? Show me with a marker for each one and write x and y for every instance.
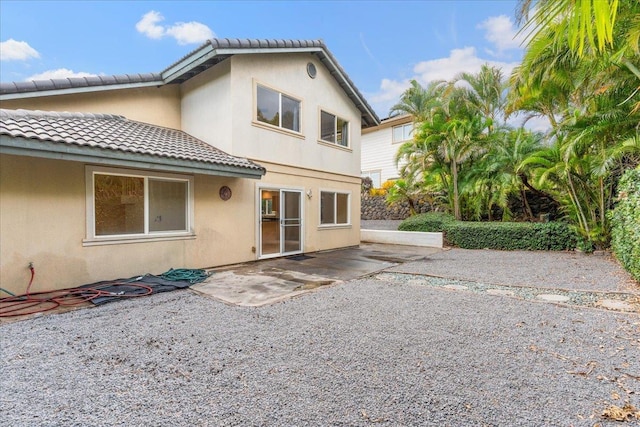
(385, 350)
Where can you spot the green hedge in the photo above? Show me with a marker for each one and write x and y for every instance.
(625, 223)
(555, 236)
(432, 222)
(550, 236)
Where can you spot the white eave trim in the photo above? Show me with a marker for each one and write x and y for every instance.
(209, 52)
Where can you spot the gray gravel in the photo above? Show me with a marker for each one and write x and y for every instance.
(365, 352)
(564, 270)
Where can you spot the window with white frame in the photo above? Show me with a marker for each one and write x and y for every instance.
(334, 208)
(402, 133)
(334, 129)
(130, 204)
(376, 180)
(277, 109)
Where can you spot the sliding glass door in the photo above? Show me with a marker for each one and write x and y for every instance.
(280, 222)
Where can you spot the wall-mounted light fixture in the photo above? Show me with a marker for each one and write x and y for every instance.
(309, 194)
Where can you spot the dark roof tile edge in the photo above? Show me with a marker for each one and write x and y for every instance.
(17, 114)
(77, 82)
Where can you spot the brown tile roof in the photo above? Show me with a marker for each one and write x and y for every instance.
(209, 54)
(79, 82)
(117, 134)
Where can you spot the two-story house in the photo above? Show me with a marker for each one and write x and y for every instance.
(380, 145)
(241, 150)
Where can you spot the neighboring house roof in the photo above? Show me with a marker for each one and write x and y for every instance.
(389, 122)
(115, 140)
(208, 55)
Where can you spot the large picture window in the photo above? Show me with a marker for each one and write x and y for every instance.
(123, 204)
(277, 109)
(403, 133)
(333, 129)
(334, 208)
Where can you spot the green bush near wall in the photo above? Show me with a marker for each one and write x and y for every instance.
(625, 223)
(554, 236)
(432, 222)
(551, 236)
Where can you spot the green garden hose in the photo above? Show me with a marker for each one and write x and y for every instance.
(192, 276)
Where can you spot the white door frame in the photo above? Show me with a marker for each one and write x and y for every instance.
(258, 214)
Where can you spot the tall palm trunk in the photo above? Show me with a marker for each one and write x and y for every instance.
(456, 200)
(582, 219)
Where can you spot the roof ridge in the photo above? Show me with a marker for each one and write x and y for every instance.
(22, 113)
(233, 42)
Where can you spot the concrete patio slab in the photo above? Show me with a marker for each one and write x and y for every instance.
(268, 281)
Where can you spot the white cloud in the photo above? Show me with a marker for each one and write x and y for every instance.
(501, 32)
(60, 73)
(147, 25)
(459, 60)
(390, 91)
(190, 32)
(183, 32)
(13, 50)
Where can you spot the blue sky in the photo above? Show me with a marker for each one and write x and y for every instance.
(380, 44)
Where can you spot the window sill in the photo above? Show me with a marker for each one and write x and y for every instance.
(332, 145)
(278, 129)
(333, 226)
(135, 239)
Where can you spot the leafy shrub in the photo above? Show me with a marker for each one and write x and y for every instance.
(432, 222)
(388, 184)
(625, 223)
(555, 236)
(377, 192)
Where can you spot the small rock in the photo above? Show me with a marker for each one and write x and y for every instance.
(502, 292)
(613, 304)
(553, 297)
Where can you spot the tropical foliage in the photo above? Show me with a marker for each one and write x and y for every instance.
(579, 72)
(625, 221)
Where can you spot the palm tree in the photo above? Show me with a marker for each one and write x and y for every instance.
(418, 101)
(584, 23)
(484, 93)
(589, 28)
(504, 173)
(459, 143)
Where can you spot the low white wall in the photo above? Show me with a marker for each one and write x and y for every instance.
(410, 238)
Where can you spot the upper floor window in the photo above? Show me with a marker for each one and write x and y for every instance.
(334, 129)
(277, 109)
(402, 133)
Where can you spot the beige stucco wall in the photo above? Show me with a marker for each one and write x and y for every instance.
(156, 105)
(44, 221)
(218, 106)
(316, 237)
(206, 111)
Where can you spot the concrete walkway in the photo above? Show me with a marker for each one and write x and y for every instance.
(268, 281)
